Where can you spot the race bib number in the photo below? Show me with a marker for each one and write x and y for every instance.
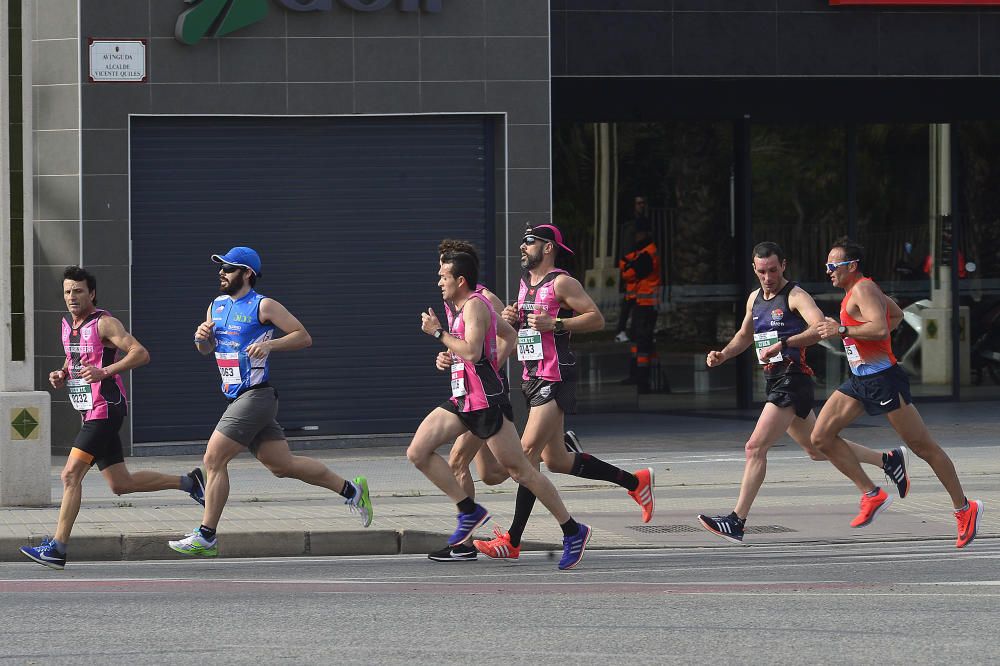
(229, 367)
(853, 355)
(762, 341)
(529, 345)
(458, 380)
(80, 395)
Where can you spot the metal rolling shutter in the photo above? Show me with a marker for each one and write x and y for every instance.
(346, 214)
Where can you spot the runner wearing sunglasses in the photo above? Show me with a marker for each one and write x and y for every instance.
(877, 385)
(777, 324)
(239, 329)
(544, 318)
(468, 447)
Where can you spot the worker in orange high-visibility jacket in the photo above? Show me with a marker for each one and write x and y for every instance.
(641, 271)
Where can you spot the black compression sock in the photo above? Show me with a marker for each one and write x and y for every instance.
(468, 505)
(207, 533)
(349, 490)
(570, 527)
(523, 504)
(589, 467)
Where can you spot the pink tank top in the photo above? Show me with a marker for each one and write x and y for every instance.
(475, 386)
(544, 355)
(83, 346)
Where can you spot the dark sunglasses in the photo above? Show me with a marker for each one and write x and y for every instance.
(230, 268)
(530, 239)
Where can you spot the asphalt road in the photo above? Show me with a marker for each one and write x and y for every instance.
(915, 602)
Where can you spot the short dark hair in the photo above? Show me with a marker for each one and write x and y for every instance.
(77, 274)
(769, 249)
(464, 265)
(450, 245)
(852, 251)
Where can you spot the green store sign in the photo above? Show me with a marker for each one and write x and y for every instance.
(216, 18)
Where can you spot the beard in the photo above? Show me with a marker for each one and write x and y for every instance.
(529, 261)
(235, 283)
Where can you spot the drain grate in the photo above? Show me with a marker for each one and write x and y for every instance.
(683, 529)
(768, 529)
(663, 529)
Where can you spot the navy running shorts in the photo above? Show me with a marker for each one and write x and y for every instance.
(880, 393)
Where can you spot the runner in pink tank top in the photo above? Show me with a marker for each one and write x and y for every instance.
(92, 340)
(472, 362)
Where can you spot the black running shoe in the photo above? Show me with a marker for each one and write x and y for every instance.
(728, 527)
(895, 470)
(572, 442)
(463, 552)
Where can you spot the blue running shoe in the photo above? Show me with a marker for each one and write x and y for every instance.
(46, 554)
(198, 491)
(574, 547)
(467, 524)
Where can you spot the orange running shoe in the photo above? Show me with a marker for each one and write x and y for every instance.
(968, 523)
(499, 548)
(643, 494)
(871, 507)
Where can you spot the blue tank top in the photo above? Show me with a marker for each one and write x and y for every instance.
(773, 320)
(237, 326)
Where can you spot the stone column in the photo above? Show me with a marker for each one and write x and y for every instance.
(25, 428)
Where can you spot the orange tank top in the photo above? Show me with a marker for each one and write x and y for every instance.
(866, 357)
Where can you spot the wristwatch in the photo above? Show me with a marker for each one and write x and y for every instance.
(842, 331)
(438, 333)
(784, 344)
(560, 325)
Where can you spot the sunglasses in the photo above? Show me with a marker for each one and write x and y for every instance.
(230, 268)
(832, 267)
(530, 239)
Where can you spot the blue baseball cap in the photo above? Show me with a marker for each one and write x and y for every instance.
(240, 256)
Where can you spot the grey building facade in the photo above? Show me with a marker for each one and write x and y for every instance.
(128, 182)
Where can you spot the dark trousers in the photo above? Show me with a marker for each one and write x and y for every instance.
(641, 331)
(623, 313)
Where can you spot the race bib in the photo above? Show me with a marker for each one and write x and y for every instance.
(853, 355)
(458, 380)
(529, 345)
(762, 341)
(80, 395)
(229, 367)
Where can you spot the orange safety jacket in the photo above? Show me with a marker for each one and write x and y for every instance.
(640, 270)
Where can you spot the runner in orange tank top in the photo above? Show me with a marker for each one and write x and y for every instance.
(879, 386)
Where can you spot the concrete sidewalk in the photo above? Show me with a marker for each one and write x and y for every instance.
(698, 462)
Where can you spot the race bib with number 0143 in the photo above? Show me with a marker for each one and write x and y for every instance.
(762, 341)
(529, 345)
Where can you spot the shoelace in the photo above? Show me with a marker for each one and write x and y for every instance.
(499, 534)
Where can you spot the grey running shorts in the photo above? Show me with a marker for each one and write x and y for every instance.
(252, 419)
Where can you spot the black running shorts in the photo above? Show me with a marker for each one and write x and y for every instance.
(483, 423)
(879, 393)
(540, 391)
(792, 390)
(98, 440)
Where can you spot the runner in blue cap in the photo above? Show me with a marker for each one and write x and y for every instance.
(239, 329)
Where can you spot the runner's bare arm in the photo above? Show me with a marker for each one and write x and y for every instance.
(802, 302)
(570, 293)
(871, 303)
(295, 334)
(204, 335)
(506, 340)
(476, 320)
(741, 340)
(135, 355)
(895, 313)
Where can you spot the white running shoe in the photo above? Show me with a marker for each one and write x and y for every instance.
(195, 545)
